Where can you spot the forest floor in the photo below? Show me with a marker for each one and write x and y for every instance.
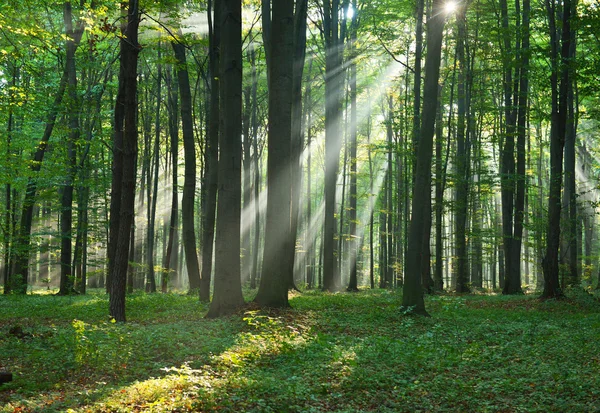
(346, 352)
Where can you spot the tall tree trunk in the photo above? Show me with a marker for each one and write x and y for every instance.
(354, 240)
(9, 205)
(227, 296)
(570, 189)
(333, 89)
(256, 160)
(310, 239)
(383, 228)
(20, 276)
(279, 244)
(390, 269)
(297, 136)
(462, 159)
(513, 284)
(412, 296)
(73, 105)
(171, 255)
(438, 277)
(247, 180)
(153, 192)
(560, 79)
(125, 153)
(212, 152)
(189, 180)
(371, 210)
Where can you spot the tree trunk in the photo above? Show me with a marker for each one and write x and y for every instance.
(297, 137)
(333, 89)
(227, 296)
(19, 278)
(73, 105)
(153, 191)
(354, 239)
(171, 255)
(462, 160)
(279, 244)
(125, 152)
(189, 180)
(560, 64)
(570, 189)
(310, 238)
(438, 277)
(412, 296)
(212, 152)
(256, 160)
(9, 204)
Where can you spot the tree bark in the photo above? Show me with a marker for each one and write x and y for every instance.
(153, 191)
(125, 153)
(212, 151)
(297, 137)
(227, 296)
(171, 255)
(333, 90)
(189, 180)
(279, 244)
(560, 80)
(412, 297)
(462, 159)
(352, 213)
(73, 105)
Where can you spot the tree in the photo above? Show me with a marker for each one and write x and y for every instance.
(124, 155)
(227, 286)
(189, 153)
(353, 282)
(462, 157)
(279, 244)
(212, 151)
(297, 136)
(560, 78)
(412, 296)
(73, 105)
(18, 280)
(170, 262)
(333, 101)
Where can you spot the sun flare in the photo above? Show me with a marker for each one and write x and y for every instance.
(450, 6)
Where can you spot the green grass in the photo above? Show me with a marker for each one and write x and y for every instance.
(330, 353)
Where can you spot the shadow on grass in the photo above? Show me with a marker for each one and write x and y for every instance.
(330, 353)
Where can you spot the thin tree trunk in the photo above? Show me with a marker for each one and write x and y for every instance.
(462, 160)
(189, 181)
(10, 210)
(412, 292)
(560, 87)
(256, 160)
(212, 152)
(438, 278)
(18, 281)
(73, 104)
(354, 240)
(125, 152)
(297, 137)
(171, 255)
(333, 89)
(151, 236)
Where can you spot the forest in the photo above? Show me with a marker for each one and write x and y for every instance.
(283, 183)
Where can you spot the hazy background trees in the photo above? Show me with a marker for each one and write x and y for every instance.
(389, 176)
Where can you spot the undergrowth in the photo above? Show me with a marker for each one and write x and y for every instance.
(347, 352)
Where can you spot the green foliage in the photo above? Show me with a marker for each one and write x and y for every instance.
(331, 352)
